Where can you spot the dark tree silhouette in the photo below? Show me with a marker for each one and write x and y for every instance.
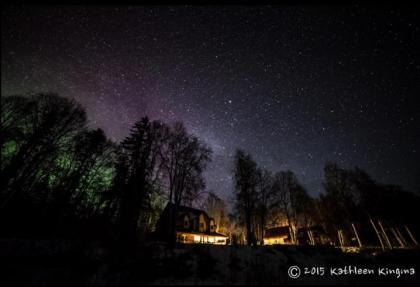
(353, 198)
(291, 198)
(246, 180)
(36, 128)
(265, 200)
(185, 160)
(53, 169)
(340, 201)
(217, 209)
(138, 174)
(81, 171)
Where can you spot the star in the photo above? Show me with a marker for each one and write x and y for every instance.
(294, 87)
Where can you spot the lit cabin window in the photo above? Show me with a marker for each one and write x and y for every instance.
(202, 223)
(212, 226)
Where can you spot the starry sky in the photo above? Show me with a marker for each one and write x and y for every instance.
(294, 86)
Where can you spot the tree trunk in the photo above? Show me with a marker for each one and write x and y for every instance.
(397, 237)
(340, 238)
(248, 230)
(377, 233)
(357, 235)
(292, 235)
(386, 236)
(262, 229)
(172, 236)
(411, 235)
(311, 237)
(402, 237)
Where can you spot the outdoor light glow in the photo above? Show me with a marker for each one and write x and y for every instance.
(286, 136)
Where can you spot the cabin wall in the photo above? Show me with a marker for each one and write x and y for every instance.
(276, 240)
(191, 238)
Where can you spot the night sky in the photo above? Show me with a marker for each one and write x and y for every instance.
(294, 86)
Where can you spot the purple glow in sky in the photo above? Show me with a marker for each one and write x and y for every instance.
(294, 86)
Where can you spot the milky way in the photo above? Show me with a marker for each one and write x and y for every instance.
(294, 86)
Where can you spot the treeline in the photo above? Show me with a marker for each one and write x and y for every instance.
(61, 178)
(263, 198)
(353, 201)
(353, 205)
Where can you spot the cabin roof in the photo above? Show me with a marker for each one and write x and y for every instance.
(189, 210)
(279, 231)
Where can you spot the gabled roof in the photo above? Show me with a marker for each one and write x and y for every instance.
(190, 210)
(163, 225)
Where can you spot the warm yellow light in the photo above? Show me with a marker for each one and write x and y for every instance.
(220, 240)
(197, 238)
(275, 240)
